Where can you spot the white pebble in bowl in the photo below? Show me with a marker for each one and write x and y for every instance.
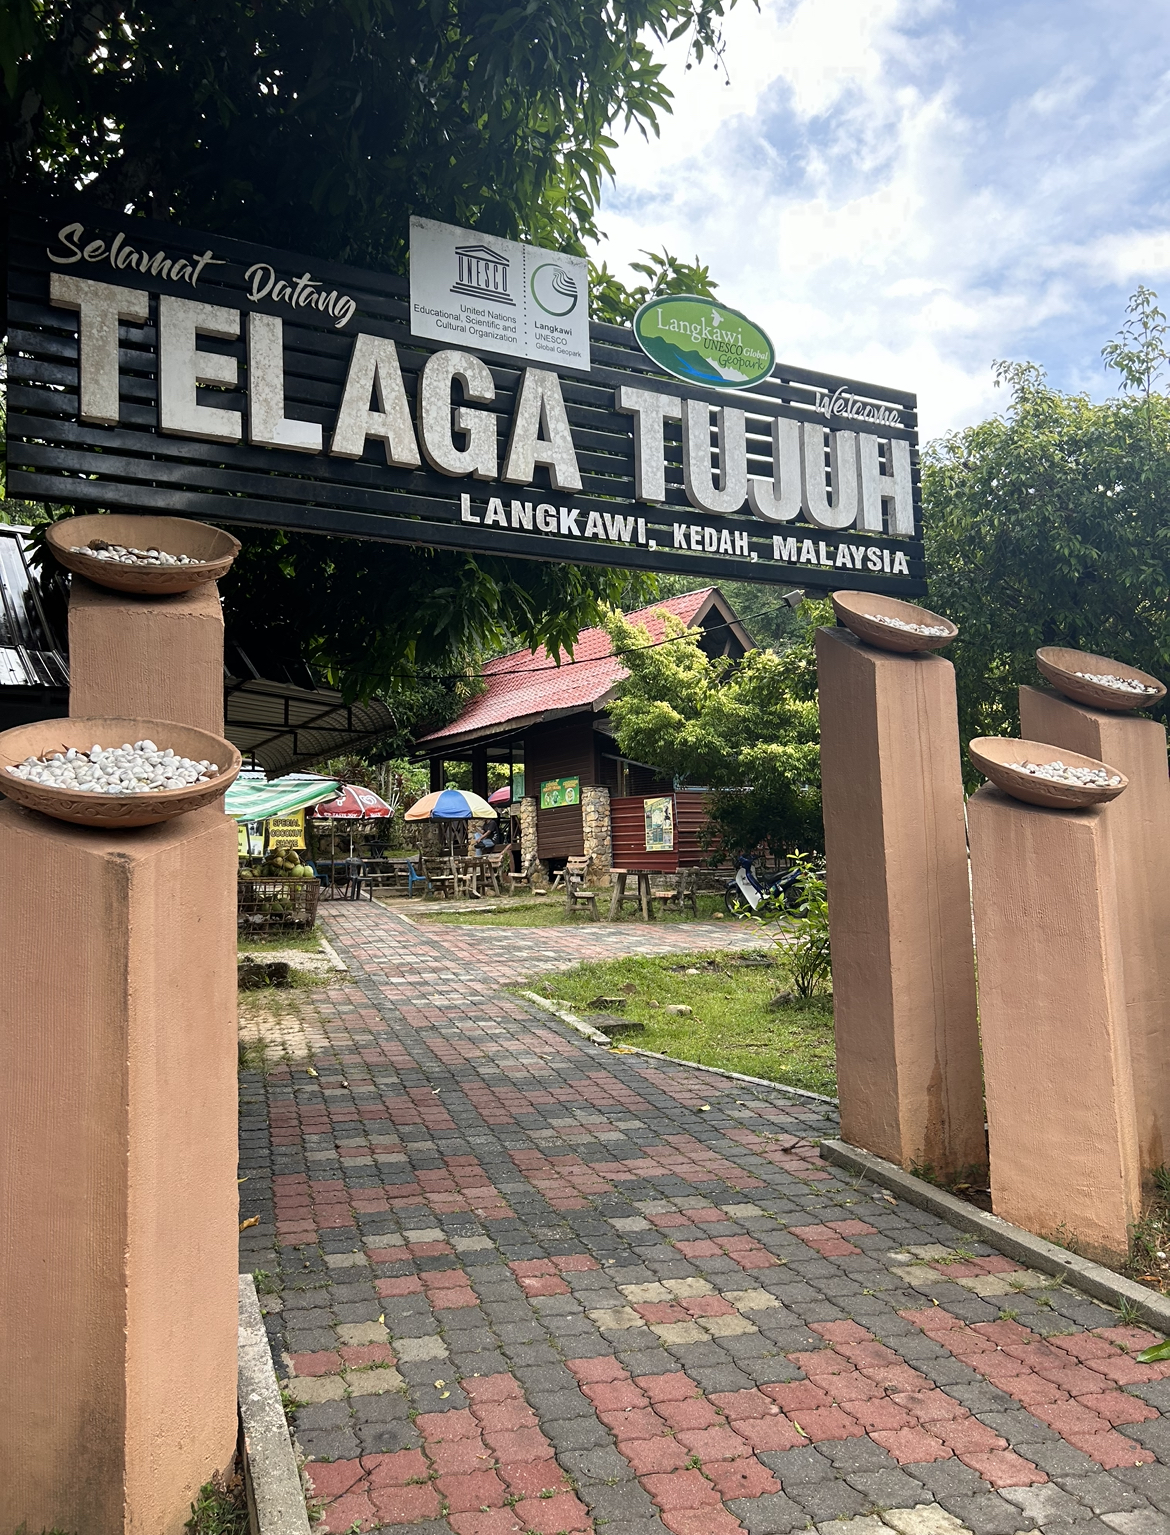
(143, 768)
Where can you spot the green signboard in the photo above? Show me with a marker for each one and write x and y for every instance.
(555, 792)
(704, 342)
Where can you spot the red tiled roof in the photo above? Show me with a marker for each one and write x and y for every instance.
(528, 683)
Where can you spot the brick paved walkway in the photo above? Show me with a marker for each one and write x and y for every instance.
(523, 1286)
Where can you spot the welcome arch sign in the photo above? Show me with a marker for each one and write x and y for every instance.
(474, 407)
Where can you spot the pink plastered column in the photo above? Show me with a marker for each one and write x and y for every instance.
(899, 907)
(1060, 1104)
(1139, 824)
(119, 1238)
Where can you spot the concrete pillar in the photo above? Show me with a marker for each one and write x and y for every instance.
(117, 1170)
(899, 907)
(1139, 824)
(158, 658)
(1060, 1111)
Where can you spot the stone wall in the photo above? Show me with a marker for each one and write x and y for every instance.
(598, 834)
(527, 809)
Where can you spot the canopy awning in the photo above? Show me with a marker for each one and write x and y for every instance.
(259, 801)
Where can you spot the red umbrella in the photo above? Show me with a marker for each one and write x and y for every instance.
(352, 803)
(501, 796)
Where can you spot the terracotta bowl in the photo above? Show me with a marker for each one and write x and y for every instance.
(853, 608)
(176, 535)
(993, 756)
(1061, 666)
(116, 810)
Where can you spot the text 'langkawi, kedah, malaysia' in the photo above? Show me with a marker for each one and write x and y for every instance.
(475, 407)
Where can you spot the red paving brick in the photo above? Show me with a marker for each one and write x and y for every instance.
(740, 1478)
(650, 1455)
(1031, 1370)
(681, 1489)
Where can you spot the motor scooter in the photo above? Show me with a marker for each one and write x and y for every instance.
(745, 892)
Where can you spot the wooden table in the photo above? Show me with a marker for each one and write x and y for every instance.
(619, 893)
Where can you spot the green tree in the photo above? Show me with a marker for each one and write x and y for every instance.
(1050, 525)
(322, 125)
(610, 299)
(747, 730)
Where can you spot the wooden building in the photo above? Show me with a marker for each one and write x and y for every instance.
(581, 796)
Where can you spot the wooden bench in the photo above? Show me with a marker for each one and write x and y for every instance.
(682, 896)
(441, 884)
(525, 876)
(575, 872)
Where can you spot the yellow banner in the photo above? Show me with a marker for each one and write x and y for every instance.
(287, 830)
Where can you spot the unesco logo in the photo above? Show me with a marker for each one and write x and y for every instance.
(553, 289)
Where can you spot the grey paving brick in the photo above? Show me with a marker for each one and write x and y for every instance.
(377, 1438)
(1060, 1459)
(947, 1478)
(1046, 1504)
(800, 1465)
(1154, 1434)
(848, 1455)
(1146, 1521)
(773, 1514)
(1019, 1427)
(823, 1501)
(329, 1444)
(1102, 1493)
(602, 1464)
(986, 1513)
(890, 1489)
(625, 1501)
(1153, 1482)
(635, 1527)
(576, 1434)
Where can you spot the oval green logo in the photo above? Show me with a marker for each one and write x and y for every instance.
(703, 342)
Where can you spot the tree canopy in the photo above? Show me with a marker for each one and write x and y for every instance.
(747, 730)
(1050, 525)
(322, 125)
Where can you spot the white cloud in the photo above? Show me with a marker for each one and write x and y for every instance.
(904, 190)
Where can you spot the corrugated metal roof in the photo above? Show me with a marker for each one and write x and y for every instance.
(31, 656)
(528, 685)
(284, 726)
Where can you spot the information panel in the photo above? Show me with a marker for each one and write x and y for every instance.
(154, 369)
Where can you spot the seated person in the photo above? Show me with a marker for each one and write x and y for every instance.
(486, 841)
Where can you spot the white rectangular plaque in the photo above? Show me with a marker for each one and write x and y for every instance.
(495, 295)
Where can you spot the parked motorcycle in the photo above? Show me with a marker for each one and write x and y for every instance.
(745, 893)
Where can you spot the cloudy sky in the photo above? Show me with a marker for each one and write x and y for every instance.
(904, 190)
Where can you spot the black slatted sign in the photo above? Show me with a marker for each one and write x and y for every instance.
(239, 377)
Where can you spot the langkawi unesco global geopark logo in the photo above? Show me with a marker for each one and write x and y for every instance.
(704, 342)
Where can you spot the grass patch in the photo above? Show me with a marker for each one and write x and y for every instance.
(1149, 1247)
(731, 1025)
(549, 911)
(307, 943)
(220, 1508)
